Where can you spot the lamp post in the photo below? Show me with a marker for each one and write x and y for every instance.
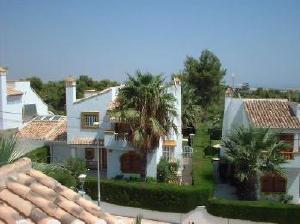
(191, 137)
(98, 165)
(81, 178)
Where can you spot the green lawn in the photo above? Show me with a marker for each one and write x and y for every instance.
(202, 165)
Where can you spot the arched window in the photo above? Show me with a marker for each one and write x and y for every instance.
(131, 162)
(273, 182)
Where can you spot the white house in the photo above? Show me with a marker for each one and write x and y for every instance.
(18, 103)
(89, 128)
(281, 116)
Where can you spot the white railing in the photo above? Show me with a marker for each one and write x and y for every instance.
(187, 151)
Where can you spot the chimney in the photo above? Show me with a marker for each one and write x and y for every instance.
(70, 90)
(3, 96)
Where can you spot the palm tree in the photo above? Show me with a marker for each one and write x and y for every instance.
(253, 152)
(146, 106)
(8, 152)
(190, 110)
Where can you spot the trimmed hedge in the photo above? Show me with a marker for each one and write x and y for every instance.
(154, 196)
(259, 211)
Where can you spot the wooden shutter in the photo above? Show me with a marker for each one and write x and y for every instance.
(266, 182)
(131, 162)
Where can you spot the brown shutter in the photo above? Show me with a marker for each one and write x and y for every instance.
(266, 182)
(279, 183)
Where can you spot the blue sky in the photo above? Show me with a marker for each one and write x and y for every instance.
(258, 41)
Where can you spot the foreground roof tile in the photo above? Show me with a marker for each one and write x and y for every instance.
(29, 196)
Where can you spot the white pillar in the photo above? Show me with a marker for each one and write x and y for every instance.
(70, 99)
(293, 185)
(70, 90)
(3, 96)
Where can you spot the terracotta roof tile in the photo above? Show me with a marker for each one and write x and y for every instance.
(29, 196)
(49, 130)
(11, 91)
(271, 113)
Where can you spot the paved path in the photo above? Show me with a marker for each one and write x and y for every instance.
(187, 171)
(222, 190)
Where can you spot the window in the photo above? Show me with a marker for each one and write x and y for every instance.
(88, 119)
(168, 153)
(131, 162)
(89, 153)
(273, 183)
(29, 111)
(91, 163)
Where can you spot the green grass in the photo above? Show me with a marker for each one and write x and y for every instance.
(202, 165)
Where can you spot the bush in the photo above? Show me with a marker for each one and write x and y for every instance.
(76, 167)
(259, 211)
(166, 171)
(39, 155)
(155, 196)
(57, 172)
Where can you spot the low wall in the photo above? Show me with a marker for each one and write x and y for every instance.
(197, 216)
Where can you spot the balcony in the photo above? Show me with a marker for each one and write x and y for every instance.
(288, 155)
(113, 140)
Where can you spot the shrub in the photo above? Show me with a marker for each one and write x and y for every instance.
(259, 211)
(57, 172)
(76, 167)
(166, 171)
(155, 196)
(39, 155)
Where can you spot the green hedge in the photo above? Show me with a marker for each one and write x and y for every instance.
(155, 196)
(259, 211)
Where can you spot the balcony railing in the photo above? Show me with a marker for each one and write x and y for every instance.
(288, 155)
(121, 136)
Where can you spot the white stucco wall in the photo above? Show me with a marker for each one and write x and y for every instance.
(31, 97)
(234, 116)
(11, 107)
(97, 103)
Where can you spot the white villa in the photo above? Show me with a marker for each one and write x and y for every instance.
(88, 128)
(281, 116)
(19, 103)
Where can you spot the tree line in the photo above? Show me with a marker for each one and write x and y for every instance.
(54, 92)
(203, 90)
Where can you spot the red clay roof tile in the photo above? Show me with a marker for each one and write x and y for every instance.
(271, 113)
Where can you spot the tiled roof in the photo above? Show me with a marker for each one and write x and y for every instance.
(28, 196)
(49, 130)
(11, 91)
(3, 69)
(87, 141)
(271, 113)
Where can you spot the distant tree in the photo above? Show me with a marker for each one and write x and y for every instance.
(190, 110)
(205, 75)
(36, 83)
(54, 93)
